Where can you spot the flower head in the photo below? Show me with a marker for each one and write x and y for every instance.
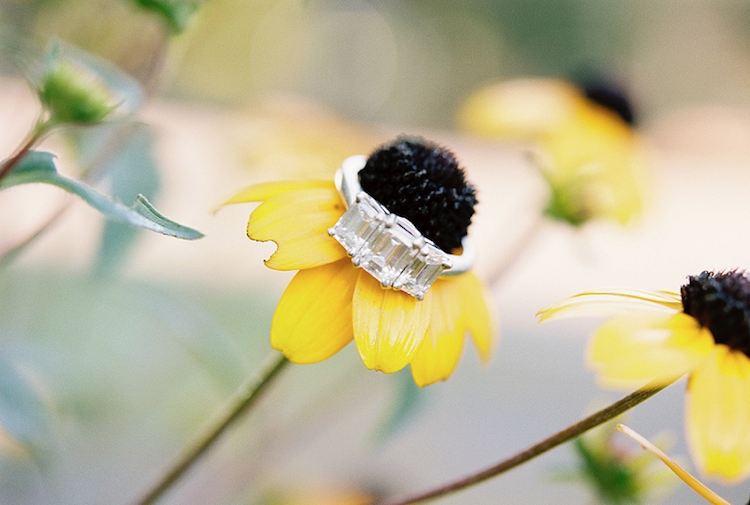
(417, 187)
(582, 141)
(703, 331)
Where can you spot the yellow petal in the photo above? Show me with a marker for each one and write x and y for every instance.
(313, 320)
(520, 109)
(298, 222)
(594, 135)
(686, 477)
(441, 349)
(608, 303)
(389, 325)
(265, 190)
(628, 350)
(718, 415)
(473, 298)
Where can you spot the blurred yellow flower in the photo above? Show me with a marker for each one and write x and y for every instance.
(705, 332)
(590, 157)
(329, 302)
(318, 497)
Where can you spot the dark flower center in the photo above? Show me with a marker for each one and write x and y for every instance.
(721, 303)
(610, 96)
(422, 182)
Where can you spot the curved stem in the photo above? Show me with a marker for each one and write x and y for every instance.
(539, 448)
(40, 129)
(244, 398)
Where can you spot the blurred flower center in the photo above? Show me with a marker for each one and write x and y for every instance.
(721, 303)
(612, 98)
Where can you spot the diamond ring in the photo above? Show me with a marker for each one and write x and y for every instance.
(387, 246)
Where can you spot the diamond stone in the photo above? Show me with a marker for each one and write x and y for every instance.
(389, 247)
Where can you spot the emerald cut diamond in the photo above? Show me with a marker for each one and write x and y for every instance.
(389, 247)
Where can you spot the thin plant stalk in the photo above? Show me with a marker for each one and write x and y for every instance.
(243, 400)
(532, 452)
(41, 128)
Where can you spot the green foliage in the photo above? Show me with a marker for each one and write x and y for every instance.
(40, 167)
(613, 479)
(24, 417)
(119, 371)
(129, 170)
(176, 13)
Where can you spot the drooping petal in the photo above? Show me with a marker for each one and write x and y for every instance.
(629, 350)
(313, 320)
(298, 222)
(389, 325)
(442, 346)
(608, 303)
(683, 474)
(265, 190)
(718, 415)
(470, 293)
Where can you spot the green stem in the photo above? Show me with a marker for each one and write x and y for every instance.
(41, 128)
(244, 398)
(532, 452)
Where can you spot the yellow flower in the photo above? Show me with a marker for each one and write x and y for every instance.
(703, 331)
(589, 154)
(330, 302)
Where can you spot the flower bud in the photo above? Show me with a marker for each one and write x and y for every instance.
(73, 94)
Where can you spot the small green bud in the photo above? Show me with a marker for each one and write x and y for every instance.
(72, 94)
(568, 204)
(609, 472)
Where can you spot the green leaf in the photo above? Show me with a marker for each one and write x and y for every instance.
(129, 170)
(32, 162)
(24, 416)
(39, 167)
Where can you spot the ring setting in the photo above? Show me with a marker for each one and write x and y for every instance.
(388, 246)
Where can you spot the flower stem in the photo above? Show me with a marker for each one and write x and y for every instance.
(40, 129)
(539, 448)
(244, 398)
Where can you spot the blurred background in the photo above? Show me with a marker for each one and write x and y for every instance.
(116, 346)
